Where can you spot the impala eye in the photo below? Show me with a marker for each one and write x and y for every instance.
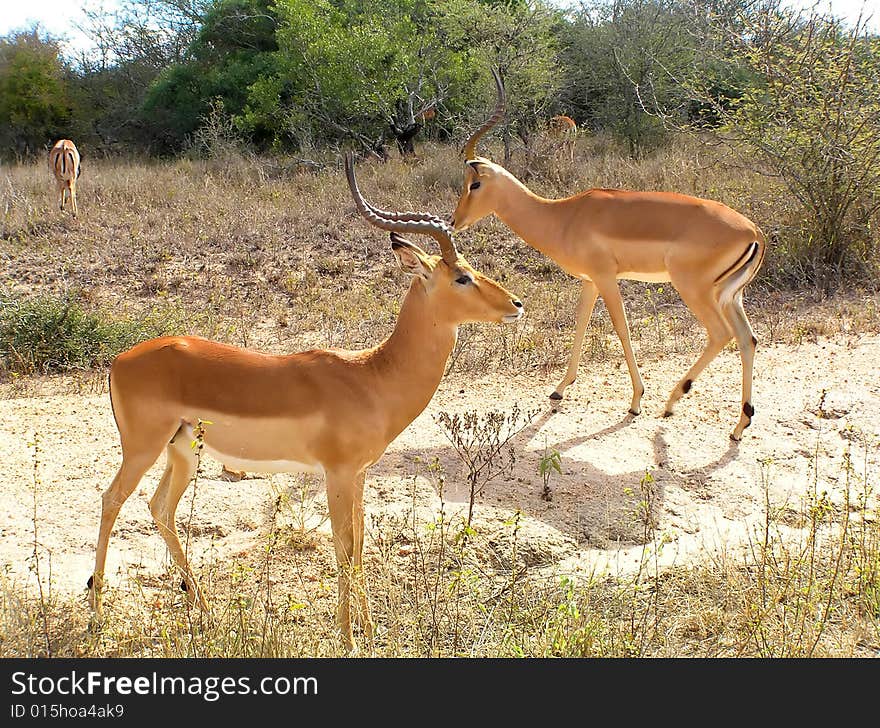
(463, 280)
(475, 185)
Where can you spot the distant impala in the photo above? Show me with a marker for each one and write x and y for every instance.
(564, 130)
(64, 164)
(708, 252)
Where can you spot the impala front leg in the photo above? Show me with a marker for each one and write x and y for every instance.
(341, 488)
(587, 301)
(614, 303)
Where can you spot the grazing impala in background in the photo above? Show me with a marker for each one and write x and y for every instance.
(64, 164)
(708, 252)
(328, 411)
(563, 130)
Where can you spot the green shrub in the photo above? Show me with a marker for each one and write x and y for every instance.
(47, 333)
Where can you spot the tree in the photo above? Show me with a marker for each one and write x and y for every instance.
(34, 105)
(810, 115)
(352, 70)
(132, 44)
(516, 38)
(623, 60)
(234, 47)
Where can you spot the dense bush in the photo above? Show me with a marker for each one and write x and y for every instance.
(51, 334)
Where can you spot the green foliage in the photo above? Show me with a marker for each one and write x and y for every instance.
(516, 38)
(621, 61)
(551, 460)
(50, 334)
(810, 112)
(343, 68)
(234, 48)
(34, 107)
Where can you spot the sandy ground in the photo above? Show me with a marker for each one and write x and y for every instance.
(812, 402)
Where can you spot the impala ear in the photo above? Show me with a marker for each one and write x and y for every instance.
(410, 257)
(480, 167)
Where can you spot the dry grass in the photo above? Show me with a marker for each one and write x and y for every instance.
(261, 254)
(806, 585)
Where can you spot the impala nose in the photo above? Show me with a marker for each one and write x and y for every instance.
(514, 316)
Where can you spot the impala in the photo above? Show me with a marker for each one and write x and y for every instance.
(64, 165)
(328, 411)
(708, 252)
(564, 130)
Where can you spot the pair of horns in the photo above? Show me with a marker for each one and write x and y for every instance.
(470, 148)
(403, 222)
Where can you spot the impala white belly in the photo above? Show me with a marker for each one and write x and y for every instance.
(264, 466)
(658, 277)
(262, 445)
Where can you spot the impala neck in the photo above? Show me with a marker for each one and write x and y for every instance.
(530, 216)
(411, 361)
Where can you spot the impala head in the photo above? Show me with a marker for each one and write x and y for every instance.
(458, 293)
(480, 195)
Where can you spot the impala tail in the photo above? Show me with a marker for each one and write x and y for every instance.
(741, 273)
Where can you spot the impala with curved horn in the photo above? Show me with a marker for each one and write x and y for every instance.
(328, 411)
(708, 252)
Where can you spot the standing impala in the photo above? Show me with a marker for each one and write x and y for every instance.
(708, 252)
(563, 129)
(64, 163)
(328, 411)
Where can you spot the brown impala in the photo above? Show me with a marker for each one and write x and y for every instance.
(326, 410)
(563, 130)
(708, 252)
(64, 163)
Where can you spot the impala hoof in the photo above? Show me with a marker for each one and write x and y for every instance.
(555, 395)
(635, 413)
(667, 413)
(96, 624)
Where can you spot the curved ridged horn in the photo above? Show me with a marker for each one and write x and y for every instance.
(470, 148)
(403, 222)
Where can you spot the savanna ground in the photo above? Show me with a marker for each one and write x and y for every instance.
(653, 537)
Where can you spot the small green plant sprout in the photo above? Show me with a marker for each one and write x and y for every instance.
(551, 460)
(647, 504)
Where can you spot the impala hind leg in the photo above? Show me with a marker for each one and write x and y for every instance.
(614, 303)
(182, 464)
(587, 301)
(73, 197)
(341, 498)
(130, 473)
(704, 306)
(746, 341)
